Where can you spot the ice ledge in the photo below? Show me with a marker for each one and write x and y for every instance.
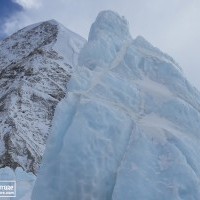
(148, 49)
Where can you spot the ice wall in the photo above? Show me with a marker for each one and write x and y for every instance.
(129, 128)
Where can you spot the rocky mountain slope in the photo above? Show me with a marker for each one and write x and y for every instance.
(35, 66)
(129, 127)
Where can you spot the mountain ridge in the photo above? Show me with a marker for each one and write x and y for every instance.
(33, 80)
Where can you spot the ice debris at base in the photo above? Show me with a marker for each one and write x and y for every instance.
(129, 127)
(24, 182)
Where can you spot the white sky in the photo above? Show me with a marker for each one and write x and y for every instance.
(171, 25)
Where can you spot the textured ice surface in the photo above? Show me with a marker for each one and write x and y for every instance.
(129, 128)
(106, 37)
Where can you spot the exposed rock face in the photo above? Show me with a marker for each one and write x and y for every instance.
(34, 72)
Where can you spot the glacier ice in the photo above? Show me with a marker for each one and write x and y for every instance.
(129, 127)
(106, 36)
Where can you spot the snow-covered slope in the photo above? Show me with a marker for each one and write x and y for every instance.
(129, 128)
(35, 66)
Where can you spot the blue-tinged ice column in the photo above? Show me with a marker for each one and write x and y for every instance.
(129, 127)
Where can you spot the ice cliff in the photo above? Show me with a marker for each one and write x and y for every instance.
(129, 127)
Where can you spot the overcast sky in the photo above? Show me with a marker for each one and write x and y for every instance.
(171, 25)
